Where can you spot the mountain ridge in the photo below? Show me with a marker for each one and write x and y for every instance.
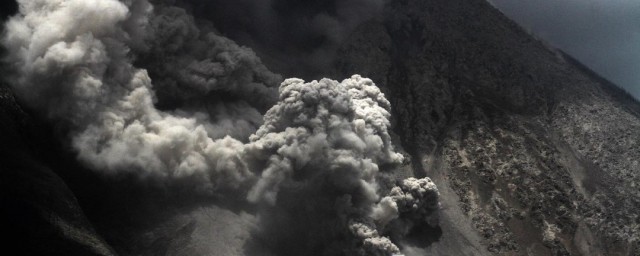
(513, 108)
(532, 154)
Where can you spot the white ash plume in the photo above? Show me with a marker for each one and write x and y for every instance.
(321, 148)
(339, 126)
(74, 62)
(315, 160)
(372, 242)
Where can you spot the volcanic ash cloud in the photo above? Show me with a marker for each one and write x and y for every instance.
(75, 63)
(312, 163)
(320, 151)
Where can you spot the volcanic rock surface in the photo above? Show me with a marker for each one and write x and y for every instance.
(532, 153)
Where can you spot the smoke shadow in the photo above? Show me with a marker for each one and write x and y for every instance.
(423, 235)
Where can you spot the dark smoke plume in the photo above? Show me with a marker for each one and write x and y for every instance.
(312, 162)
(294, 37)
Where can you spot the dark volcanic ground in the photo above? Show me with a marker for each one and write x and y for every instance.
(529, 149)
(532, 153)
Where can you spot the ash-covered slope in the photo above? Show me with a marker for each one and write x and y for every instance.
(531, 154)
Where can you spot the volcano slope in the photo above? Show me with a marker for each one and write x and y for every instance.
(533, 154)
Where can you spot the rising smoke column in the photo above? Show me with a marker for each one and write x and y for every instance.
(324, 124)
(312, 162)
(74, 62)
(189, 59)
(294, 37)
(322, 147)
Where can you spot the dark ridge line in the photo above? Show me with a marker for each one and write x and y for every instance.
(621, 95)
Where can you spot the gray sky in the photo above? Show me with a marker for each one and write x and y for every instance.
(603, 34)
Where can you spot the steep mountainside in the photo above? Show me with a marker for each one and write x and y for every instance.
(531, 153)
(40, 214)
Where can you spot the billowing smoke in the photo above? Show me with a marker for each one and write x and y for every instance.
(294, 37)
(188, 61)
(74, 61)
(318, 160)
(326, 124)
(321, 149)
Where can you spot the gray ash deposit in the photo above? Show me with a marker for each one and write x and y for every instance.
(152, 128)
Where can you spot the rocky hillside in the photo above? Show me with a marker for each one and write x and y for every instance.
(533, 154)
(40, 214)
